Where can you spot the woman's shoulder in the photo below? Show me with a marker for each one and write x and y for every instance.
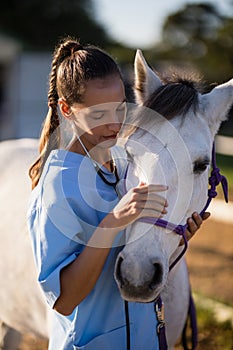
(62, 158)
(61, 163)
(59, 176)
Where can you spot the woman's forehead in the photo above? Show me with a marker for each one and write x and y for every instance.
(102, 91)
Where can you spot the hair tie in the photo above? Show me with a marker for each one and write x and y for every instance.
(76, 47)
(52, 104)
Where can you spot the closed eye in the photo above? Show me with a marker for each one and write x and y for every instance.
(200, 165)
(97, 117)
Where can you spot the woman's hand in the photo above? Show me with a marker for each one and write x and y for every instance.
(140, 201)
(194, 223)
(79, 278)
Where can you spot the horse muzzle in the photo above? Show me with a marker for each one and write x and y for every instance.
(139, 281)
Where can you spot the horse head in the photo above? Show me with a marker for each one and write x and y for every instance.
(174, 128)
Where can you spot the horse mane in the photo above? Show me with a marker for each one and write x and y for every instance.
(176, 96)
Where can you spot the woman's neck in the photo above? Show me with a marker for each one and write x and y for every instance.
(99, 155)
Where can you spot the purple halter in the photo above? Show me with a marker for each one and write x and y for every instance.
(214, 180)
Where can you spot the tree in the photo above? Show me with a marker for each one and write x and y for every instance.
(198, 35)
(39, 24)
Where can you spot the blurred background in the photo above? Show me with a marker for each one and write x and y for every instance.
(197, 35)
(183, 33)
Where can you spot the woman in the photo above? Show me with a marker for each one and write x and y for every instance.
(75, 228)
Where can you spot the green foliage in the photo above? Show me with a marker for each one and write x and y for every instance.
(198, 36)
(225, 163)
(39, 24)
(213, 334)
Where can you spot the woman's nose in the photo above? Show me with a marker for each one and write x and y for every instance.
(115, 126)
(115, 121)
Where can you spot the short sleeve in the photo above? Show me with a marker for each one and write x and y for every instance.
(54, 248)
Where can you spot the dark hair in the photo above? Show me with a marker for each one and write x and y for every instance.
(72, 67)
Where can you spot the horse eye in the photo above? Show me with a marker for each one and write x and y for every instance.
(200, 166)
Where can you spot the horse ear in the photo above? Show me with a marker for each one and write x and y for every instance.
(146, 81)
(216, 104)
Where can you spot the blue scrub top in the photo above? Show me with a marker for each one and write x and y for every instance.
(65, 208)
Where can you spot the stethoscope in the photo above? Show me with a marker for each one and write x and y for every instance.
(114, 185)
(99, 171)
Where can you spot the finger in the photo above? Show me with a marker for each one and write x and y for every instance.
(197, 219)
(151, 205)
(191, 230)
(206, 215)
(150, 202)
(151, 213)
(150, 188)
(150, 197)
(188, 236)
(156, 208)
(192, 226)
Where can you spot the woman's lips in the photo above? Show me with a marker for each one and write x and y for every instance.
(110, 137)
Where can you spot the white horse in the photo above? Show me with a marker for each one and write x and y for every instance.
(22, 306)
(176, 152)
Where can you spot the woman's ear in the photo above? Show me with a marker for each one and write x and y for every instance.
(65, 108)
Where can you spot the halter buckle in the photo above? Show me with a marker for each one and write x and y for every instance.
(159, 310)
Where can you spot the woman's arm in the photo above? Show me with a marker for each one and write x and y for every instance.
(78, 278)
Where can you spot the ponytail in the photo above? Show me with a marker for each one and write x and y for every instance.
(50, 135)
(49, 140)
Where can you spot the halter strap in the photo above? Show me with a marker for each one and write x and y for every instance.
(178, 229)
(214, 180)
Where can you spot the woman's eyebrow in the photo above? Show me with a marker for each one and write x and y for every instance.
(99, 110)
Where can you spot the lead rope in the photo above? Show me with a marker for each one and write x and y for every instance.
(127, 324)
(161, 332)
(193, 324)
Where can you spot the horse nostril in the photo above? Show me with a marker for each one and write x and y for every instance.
(118, 272)
(157, 277)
